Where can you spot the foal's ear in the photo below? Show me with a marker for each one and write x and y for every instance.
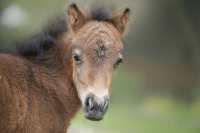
(120, 20)
(76, 18)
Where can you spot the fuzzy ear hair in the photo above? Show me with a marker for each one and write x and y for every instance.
(120, 20)
(76, 17)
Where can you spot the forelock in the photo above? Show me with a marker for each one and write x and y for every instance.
(101, 14)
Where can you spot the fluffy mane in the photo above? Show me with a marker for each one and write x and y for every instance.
(38, 44)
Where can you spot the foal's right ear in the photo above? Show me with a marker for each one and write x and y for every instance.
(76, 18)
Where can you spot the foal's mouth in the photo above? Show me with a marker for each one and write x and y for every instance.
(95, 108)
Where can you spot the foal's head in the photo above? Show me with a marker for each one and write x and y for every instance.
(96, 52)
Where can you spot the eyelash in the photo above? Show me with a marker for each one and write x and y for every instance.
(118, 62)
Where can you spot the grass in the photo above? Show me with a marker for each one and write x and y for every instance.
(143, 119)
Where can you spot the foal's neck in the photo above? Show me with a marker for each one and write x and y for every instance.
(61, 70)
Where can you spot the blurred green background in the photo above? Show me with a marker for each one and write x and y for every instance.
(157, 88)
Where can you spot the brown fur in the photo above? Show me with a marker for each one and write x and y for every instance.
(38, 95)
(33, 99)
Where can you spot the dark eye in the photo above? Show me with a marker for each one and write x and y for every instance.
(118, 62)
(77, 56)
(77, 59)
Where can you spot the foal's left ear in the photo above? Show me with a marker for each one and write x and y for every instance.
(76, 17)
(120, 20)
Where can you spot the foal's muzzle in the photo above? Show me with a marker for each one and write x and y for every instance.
(95, 107)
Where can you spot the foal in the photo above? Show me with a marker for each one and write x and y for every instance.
(68, 65)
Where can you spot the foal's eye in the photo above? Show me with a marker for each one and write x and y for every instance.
(77, 59)
(77, 56)
(118, 62)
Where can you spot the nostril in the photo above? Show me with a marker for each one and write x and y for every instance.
(106, 103)
(89, 103)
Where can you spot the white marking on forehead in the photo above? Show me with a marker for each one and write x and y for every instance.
(77, 51)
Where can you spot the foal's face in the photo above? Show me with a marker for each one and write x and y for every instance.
(96, 53)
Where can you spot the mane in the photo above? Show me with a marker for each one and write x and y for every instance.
(101, 14)
(38, 44)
